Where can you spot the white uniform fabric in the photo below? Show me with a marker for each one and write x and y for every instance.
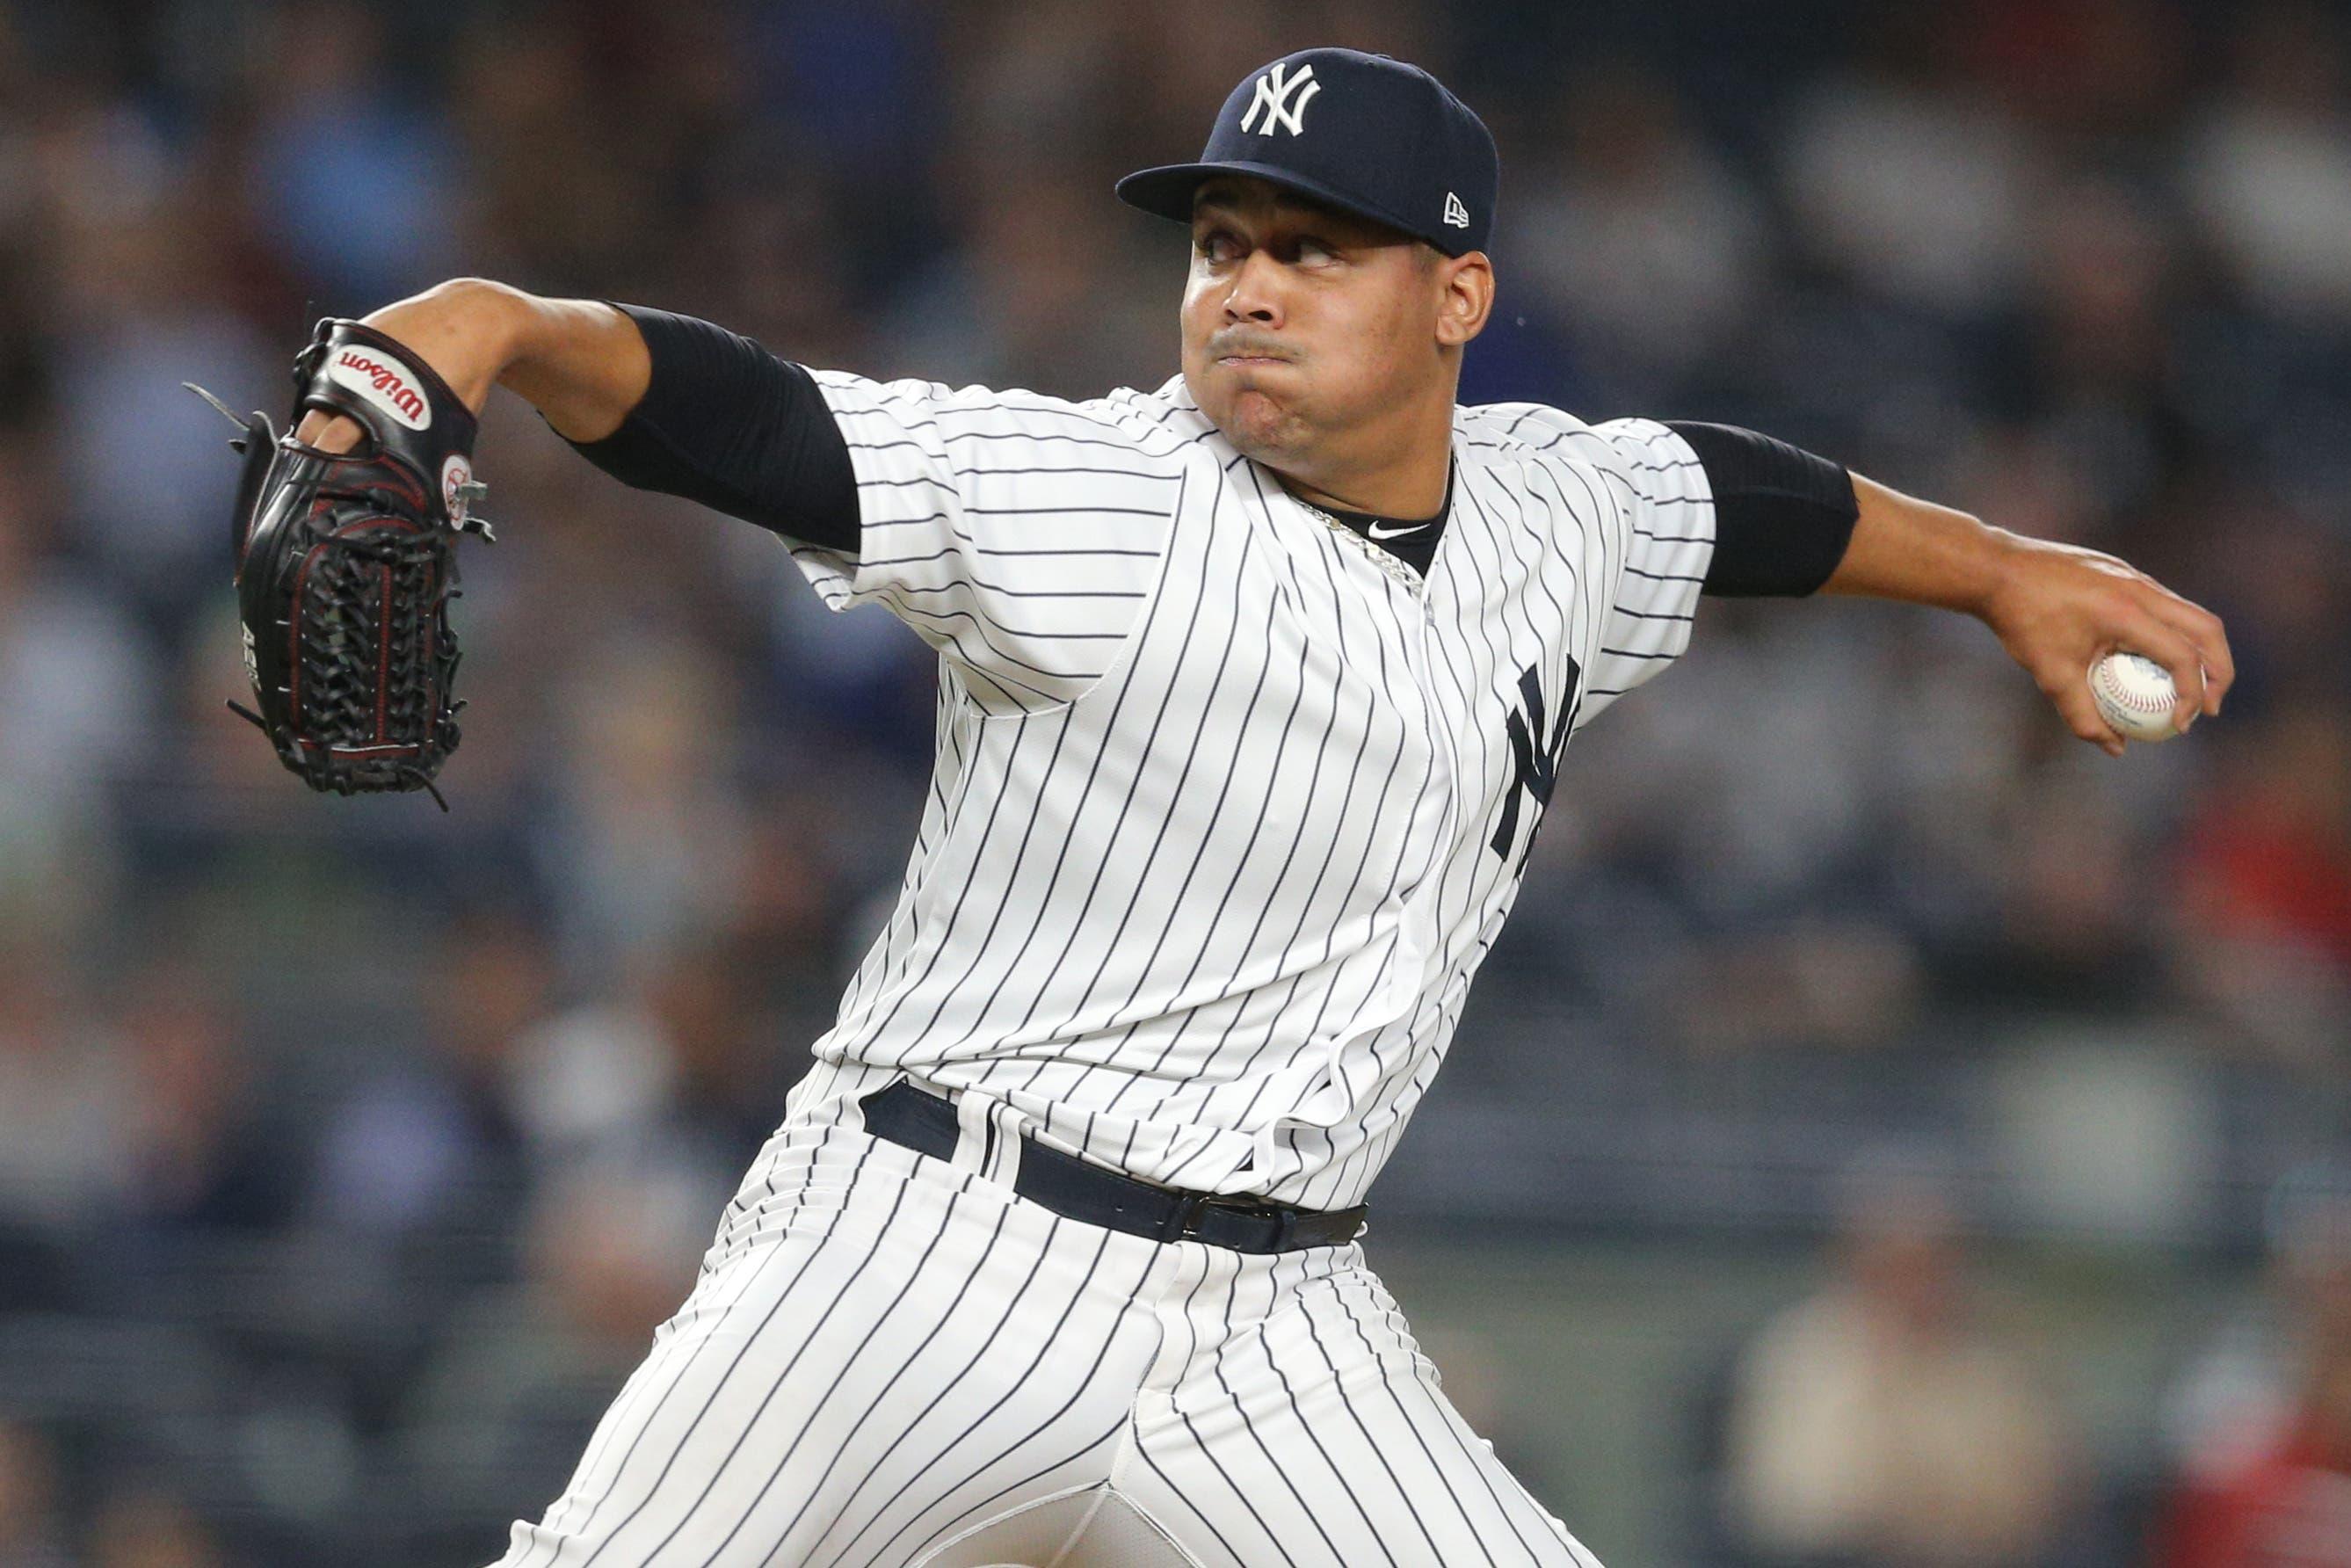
(1228, 806)
(1211, 849)
(891, 1360)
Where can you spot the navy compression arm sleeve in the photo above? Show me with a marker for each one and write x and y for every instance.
(1782, 517)
(727, 424)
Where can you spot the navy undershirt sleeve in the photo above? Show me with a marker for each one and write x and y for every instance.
(1782, 517)
(727, 424)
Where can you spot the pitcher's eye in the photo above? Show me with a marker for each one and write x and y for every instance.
(1217, 245)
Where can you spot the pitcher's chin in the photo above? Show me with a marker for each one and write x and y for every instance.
(1259, 425)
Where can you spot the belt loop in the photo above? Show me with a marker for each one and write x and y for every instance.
(974, 1133)
(1004, 1156)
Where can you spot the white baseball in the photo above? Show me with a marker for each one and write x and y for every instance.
(2135, 696)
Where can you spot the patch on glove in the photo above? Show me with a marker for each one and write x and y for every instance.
(346, 563)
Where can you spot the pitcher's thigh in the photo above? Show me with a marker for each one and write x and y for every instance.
(1320, 1436)
(826, 1381)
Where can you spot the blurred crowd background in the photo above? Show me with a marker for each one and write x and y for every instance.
(1891, 1133)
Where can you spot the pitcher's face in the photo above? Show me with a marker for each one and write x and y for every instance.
(1301, 323)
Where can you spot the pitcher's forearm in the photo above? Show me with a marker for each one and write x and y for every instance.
(581, 363)
(1920, 553)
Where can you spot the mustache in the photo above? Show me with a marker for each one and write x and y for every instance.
(1244, 341)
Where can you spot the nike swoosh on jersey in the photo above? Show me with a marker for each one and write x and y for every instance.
(1394, 533)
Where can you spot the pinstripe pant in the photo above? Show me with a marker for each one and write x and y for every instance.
(891, 1360)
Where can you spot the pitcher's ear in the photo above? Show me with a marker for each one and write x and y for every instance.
(1468, 297)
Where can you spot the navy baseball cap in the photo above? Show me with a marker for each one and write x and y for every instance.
(1371, 135)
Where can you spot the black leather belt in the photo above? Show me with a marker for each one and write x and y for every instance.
(1089, 1194)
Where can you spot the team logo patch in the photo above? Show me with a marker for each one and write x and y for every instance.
(1455, 213)
(1282, 98)
(381, 379)
(457, 487)
(1536, 758)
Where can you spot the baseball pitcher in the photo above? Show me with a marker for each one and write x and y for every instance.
(1253, 688)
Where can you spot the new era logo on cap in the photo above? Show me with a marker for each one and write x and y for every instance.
(1283, 99)
(1388, 143)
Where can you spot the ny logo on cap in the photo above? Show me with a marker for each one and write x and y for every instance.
(1455, 213)
(1283, 98)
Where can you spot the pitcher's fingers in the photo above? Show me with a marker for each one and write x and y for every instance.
(327, 432)
(2203, 629)
(2071, 696)
(2157, 640)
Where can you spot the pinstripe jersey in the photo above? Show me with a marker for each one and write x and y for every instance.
(1228, 803)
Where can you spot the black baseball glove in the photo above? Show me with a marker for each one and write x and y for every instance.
(346, 563)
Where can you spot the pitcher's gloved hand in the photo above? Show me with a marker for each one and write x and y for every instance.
(346, 562)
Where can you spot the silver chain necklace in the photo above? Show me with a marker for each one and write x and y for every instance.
(1399, 569)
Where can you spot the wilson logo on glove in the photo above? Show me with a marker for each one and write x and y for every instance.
(389, 386)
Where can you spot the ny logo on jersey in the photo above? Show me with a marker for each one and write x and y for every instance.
(1537, 757)
(1283, 99)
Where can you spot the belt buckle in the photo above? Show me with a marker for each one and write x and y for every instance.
(1281, 1221)
(1182, 1222)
